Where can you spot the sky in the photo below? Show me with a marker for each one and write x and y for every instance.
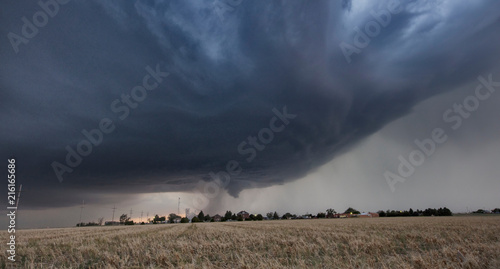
(287, 106)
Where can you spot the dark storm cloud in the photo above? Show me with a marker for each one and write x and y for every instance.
(225, 77)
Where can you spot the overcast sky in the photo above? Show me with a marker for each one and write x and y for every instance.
(288, 106)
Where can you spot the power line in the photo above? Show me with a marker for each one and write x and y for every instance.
(113, 219)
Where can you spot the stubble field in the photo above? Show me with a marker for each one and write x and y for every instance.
(417, 242)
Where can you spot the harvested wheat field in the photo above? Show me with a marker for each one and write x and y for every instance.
(418, 242)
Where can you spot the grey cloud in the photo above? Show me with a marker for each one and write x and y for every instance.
(225, 79)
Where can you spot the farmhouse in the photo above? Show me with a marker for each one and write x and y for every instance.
(243, 214)
(217, 218)
(342, 215)
(368, 215)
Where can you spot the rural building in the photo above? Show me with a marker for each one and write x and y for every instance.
(342, 215)
(217, 217)
(368, 215)
(243, 214)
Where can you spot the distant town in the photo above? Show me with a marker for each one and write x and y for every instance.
(191, 217)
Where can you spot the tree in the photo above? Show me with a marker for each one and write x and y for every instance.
(440, 212)
(415, 213)
(430, 212)
(287, 216)
(446, 212)
(201, 216)
(171, 217)
(87, 224)
(228, 215)
(330, 212)
(234, 217)
(158, 219)
(269, 215)
(276, 216)
(124, 218)
(100, 221)
(207, 217)
(195, 219)
(321, 215)
(351, 210)
(381, 213)
(184, 220)
(259, 217)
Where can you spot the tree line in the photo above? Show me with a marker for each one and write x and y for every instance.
(411, 213)
(230, 216)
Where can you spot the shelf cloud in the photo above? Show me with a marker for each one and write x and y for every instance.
(111, 97)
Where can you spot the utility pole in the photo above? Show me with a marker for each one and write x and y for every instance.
(81, 211)
(113, 219)
(147, 216)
